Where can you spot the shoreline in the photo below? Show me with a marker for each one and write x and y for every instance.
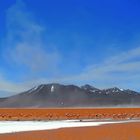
(25, 126)
(122, 131)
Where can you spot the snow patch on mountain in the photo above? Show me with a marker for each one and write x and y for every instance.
(52, 88)
(33, 89)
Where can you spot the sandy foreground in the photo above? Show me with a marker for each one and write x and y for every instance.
(121, 131)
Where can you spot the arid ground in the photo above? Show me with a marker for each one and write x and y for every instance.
(120, 131)
(62, 114)
(124, 131)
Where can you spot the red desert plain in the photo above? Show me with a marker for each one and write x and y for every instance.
(120, 131)
(69, 113)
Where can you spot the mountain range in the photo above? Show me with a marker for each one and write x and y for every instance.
(56, 95)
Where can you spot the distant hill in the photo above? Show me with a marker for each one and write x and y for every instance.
(57, 95)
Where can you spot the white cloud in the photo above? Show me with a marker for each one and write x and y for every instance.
(122, 70)
(102, 75)
(24, 47)
(36, 59)
(105, 74)
(25, 44)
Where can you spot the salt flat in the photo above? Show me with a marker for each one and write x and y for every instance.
(23, 126)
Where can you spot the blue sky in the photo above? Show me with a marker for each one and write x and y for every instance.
(70, 42)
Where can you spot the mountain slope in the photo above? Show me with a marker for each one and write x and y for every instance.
(57, 95)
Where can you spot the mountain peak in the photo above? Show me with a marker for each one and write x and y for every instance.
(88, 87)
(59, 95)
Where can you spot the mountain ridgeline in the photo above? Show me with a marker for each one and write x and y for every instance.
(57, 95)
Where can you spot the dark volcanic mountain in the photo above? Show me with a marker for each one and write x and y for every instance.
(56, 95)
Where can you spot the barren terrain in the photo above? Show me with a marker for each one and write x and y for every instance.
(62, 114)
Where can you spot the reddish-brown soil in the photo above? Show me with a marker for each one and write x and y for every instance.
(55, 114)
(126, 131)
